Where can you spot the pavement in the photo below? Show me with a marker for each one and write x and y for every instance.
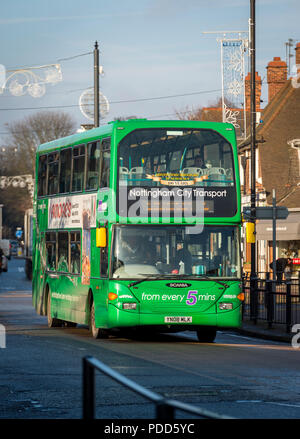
(260, 329)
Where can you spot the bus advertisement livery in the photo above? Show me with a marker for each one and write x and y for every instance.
(137, 225)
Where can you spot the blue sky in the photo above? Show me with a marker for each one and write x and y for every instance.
(149, 48)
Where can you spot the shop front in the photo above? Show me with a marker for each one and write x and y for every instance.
(287, 241)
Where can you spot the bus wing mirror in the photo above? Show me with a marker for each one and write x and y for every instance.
(250, 233)
(101, 237)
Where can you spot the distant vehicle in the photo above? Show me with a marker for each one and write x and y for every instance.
(5, 245)
(14, 247)
(28, 242)
(4, 263)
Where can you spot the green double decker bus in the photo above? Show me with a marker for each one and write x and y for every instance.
(137, 225)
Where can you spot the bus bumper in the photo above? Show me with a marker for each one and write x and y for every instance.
(118, 318)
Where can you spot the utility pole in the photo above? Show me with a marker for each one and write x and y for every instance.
(253, 292)
(274, 238)
(96, 87)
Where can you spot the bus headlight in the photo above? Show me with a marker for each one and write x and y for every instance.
(129, 305)
(225, 305)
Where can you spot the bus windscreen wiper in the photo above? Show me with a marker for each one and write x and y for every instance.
(159, 277)
(175, 277)
(145, 279)
(190, 276)
(204, 276)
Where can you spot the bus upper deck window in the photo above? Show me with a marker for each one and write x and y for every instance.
(42, 176)
(65, 171)
(78, 168)
(105, 163)
(93, 166)
(53, 166)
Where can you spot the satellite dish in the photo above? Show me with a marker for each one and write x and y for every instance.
(86, 104)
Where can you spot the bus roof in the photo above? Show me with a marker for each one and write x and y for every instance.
(106, 130)
(85, 136)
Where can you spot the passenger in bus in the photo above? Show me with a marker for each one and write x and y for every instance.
(183, 260)
(199, 163)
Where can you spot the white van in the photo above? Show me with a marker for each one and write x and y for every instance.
(5, 245)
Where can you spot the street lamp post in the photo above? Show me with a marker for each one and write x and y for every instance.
(20, 181)
(96, 86)
(253, 291)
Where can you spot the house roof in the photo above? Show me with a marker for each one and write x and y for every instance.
(269, 113)
(279, 162)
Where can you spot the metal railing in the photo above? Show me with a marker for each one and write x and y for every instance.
(165, 408)
(277, 302)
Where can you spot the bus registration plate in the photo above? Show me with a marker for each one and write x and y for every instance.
(178, 319)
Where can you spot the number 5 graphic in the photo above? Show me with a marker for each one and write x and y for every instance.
(191, 298)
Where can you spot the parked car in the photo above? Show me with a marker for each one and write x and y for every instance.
(5, 245)
(4, 265)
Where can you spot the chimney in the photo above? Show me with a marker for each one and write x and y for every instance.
(297, 56)
(257, 91)
(276, 76)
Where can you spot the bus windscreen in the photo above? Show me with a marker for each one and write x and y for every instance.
(162, 172)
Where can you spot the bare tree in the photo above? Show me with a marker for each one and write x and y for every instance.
(26, 135)
(212, 112)
(189, 113)
(17, 157)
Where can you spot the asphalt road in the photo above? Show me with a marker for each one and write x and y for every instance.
(41, 368)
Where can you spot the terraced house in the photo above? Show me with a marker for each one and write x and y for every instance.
(277, 163)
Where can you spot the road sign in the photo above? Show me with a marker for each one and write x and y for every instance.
(266, 212)
(19, 233)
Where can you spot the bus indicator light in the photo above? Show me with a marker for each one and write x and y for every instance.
(112, 296)
(241, 296)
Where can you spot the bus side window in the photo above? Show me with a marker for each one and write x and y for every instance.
(105, 163)
(78, 168)
(42, 176)
(65, 171)
(75, 252)
(51, 251)
(53, 166)
(63, 252)
(93, 165)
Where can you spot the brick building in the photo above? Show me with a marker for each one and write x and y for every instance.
(277, 163)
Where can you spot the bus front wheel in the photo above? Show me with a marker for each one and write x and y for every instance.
(96, 332)
(206, 335)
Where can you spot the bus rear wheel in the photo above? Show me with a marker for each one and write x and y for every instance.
(96, 332)
(52, 321)
(206, 335)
